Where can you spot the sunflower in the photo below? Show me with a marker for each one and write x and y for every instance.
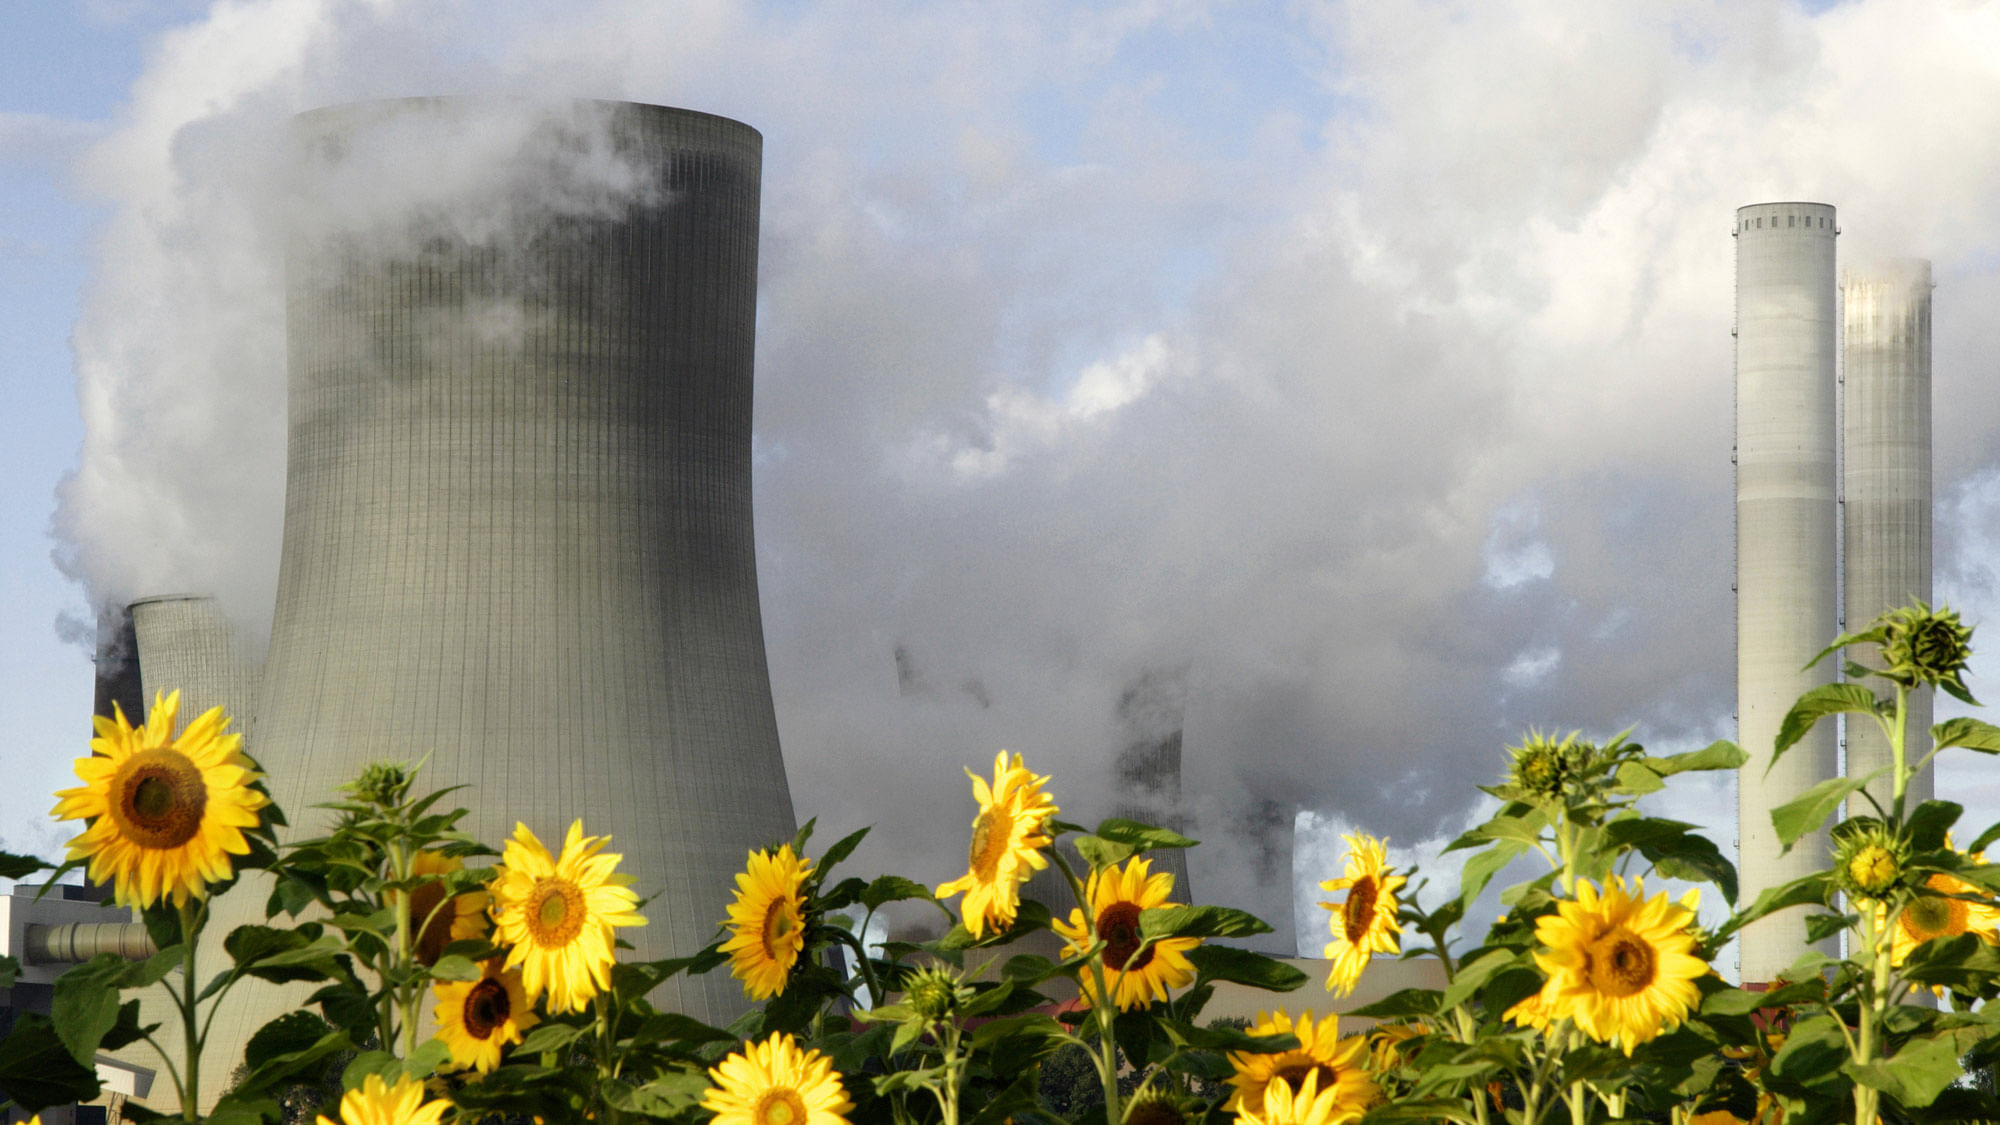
(375, 1102)
(1365, 923)
(1532, 1012)
(476, 1018)
(776, 1083)
(1339, 1064)
(1136, 977)
(165, 812)
(1620, 966)
(767, 921)
(1308, 1105)
(1007, 837)
(1933, 916)
(463, 919)
(557, 914)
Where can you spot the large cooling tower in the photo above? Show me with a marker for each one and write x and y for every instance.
(1785, 533)
(1886, 484)
(517, 518)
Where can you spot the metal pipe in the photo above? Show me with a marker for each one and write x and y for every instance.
(80, 941)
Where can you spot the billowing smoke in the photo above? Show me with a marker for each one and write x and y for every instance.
(1312, 351)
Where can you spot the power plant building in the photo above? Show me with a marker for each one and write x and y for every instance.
(1786, 534)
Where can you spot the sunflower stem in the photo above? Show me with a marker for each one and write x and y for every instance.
(191, 1036)
(405, 988)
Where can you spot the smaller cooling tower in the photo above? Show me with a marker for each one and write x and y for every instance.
(1886, 484)
(1785, 538)
(187, 645)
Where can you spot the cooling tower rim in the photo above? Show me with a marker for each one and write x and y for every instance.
(155, 599)
(320, 116)
(1785, 203)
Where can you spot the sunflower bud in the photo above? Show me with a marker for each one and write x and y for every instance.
(1922, 645)
(1154, 1106)
(1546, 768)
(382, 784)
(1869, 863)
(932, 994)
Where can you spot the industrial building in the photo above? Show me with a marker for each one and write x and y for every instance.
(1833, 516)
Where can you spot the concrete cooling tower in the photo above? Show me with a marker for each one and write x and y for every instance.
(186, 644)
(1786, 527)
(1886, 484)
(517, 518)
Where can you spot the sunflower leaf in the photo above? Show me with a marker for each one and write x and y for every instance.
(86, 1004)
(547, 1037)
(1101, 853)
(1929, 823)
(1199, 921)
(1719, 755)
(19, 866)
(1144, 836)
(1480, 869)
(1808, 812)
(452, 967)
(1918, 1073)
(841, 849)
(892, 888)
(1472, 976)
(1817, 704)
(1242, 966)
(1969, 733)
(37, 1070)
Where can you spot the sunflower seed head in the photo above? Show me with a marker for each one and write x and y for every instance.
(1870, 862)
(383, 784)
(1921, 645)
(933, 993)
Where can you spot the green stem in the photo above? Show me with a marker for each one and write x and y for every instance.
(406, 995)
(1898, 739)
(190, 1034)
(947, 1094)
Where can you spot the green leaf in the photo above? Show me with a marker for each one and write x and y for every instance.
(892, 888)
(1480, 869)
(1402, 1004)
(1742, 1002)
(1199, 921)
(38, 1071)
(1720, 755)
(547, 1037)
(1639, 778)
(86, 1004)
(19, 866)
(1101, 853)
(1811, 1060)
(455, 968)
(9, 969)
(282, 955)
(288, 1034)
(1809, 810)
(841, 849)
(1969, 733)
(1806, 890)
(1929, 822)
(1817, 704)
(1875, 635)
(381, 1063)
(1915, 1075)
(1694, 858)
(127, 1030)
(1145, 837)
(1241, 966)
(1471, 976)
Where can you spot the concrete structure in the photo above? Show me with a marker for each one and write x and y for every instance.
(1786, 528)
(185, 644)
(1885, 484)
(518, 528)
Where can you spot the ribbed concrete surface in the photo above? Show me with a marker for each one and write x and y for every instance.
(1785, 532)
(187, 645)
(518, 518)
(1886, 484)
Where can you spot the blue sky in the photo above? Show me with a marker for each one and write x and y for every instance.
(1361, 368)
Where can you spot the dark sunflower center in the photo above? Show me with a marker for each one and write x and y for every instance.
(1621, 964)
(1294, 1074)
(1118, 925)
(781, 1106)
(555, 910)
(157, 798)
(486, 1008)
(1358, 912)
(1927, 918)
(989, 843)
(779, 925)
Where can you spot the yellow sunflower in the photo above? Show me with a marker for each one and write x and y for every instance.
(557, 914)
(1932, 916)
(1339, 1064)
(776, 1083)
(1308, 1105)
(1117, 896)
(165, 812)
(476, 1018)
(767, 921)
(1364, 924)
(1620, 966)
(1532, 1012)
(463, 919)
(1006, 840)
(375, 1102)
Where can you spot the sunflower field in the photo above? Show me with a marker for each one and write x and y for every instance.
(448, 981)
